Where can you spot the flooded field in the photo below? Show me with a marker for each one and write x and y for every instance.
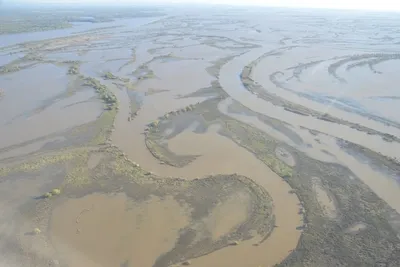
(202, 138)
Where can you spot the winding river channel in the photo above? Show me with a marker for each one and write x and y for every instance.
(154, 63)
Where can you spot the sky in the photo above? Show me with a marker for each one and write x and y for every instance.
(391, 5)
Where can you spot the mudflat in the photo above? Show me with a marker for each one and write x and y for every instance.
(201, 137)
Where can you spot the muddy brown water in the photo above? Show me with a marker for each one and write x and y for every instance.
(29, 148)
(23, 97)
(214, 149)
(385, 187)
(317, 81)
(58, 117)
(101, 230)
(142, 232)
(235, 89)
(219, 224)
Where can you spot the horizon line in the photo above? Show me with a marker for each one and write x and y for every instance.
(184, 3)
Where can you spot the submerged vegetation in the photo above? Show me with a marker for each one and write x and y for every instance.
(47, 195)
(275, 99)
(115, 173)
(323, 235)
(143, 73)
(9, 69)
(256, 142)
(109, 76)
(73, 70)
(359, 232)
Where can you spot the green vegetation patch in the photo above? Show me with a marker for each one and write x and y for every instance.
(9, 69)
(109, 76)
(33, 25)
(162, 153)
(18, 20)
(29, 60)
(40, 162)
(105, 122)
(79, 175)
(143, 73)
(157, 145)
(256, 142)
(105, 94)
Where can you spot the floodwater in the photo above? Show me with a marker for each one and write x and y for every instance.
(218, 156)
(236, 90)
(76, 110)
(112, 230)
(12, 39)
(25, 95)
(100, 230)
(384, 185)
(317, 81)
(219, 224)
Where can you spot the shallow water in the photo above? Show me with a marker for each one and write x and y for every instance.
(110, 230)
(219, 224)
(385, 187)
(58, 117)
(138, 233)
(316, 81)
(12, 39)
(6, 58)
(22, 96)
(233, 86)
(182, 77)
(27, 149)
(214, 149)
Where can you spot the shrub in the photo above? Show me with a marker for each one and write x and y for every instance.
(55, 191)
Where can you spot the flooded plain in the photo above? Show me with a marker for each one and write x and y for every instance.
(204, 138)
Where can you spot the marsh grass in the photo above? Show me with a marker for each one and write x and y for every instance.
(105, 122)
(40, 162)
(79, 175)
(256, 142)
